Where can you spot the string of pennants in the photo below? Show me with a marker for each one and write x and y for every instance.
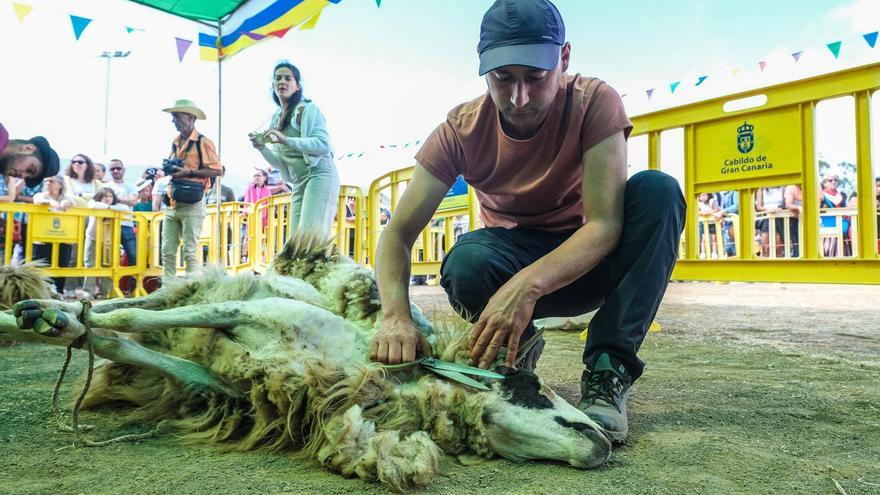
(79, 25)
(834, 48)
(359, 154)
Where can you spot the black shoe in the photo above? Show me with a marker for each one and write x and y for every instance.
(604, 391)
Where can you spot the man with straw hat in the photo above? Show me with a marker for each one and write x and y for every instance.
(192, 163)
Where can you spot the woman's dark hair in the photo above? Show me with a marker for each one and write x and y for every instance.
(284, 122)
(90, 168)
(105, 191)
(265, 176)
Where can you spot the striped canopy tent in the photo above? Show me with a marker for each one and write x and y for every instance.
(230, 26)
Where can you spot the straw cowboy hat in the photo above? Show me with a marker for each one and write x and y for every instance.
(186, 106)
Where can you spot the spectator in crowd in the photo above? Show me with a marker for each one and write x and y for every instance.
(350, 207)
(58, 201)
(257, 190)
(126, 194)
(831, 197)
(79, 181)
(186, 209)
(770, 200)
(100, 172)
(160, 191)
(25, 194)
(708, 208)
(384, 215)
(125, 191)
(226, 193)
(105, 199)
(794, 202)
(145, 195)
(877, 206)
(300, 147)
(8, 189)
(729, 203)
(30, 159)
(276, 181)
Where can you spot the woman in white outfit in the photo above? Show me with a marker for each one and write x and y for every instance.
(299, 146)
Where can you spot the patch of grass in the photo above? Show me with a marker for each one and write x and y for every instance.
(705, 418)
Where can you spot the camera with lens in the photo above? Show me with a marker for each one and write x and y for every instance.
(261, 137)
(171, 165)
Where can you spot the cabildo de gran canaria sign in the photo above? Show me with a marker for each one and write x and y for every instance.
(762, 145)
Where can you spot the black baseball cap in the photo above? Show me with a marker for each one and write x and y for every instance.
(48, 157)
(521, 32)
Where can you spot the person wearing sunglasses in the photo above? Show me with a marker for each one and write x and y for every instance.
(80, 181)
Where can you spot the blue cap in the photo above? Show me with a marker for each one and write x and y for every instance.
(521, 32)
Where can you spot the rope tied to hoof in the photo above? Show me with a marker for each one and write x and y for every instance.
(80, 440)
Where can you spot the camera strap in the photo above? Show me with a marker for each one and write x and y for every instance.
(189, 148)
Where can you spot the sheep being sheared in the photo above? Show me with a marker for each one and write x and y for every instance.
(280, 362)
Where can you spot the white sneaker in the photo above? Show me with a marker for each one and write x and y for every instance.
(702, 256)
(714, 256)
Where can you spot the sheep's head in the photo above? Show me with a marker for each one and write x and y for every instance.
(524, 419)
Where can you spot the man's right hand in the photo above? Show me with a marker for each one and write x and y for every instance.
(398, 341)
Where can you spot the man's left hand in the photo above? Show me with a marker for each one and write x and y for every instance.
(502, 322)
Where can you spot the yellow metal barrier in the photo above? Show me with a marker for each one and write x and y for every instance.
(41, 227)
(773, 145)
(437, 237)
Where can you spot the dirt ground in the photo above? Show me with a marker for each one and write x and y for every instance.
(750, 388)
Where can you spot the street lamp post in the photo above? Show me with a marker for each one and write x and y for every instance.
(109, 56)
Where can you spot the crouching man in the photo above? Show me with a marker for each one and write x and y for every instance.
(566, 232)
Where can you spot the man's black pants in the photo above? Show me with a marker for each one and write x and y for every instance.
(626, 286)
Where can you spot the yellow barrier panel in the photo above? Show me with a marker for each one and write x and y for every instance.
(768, 145)
(436, 238)
(43, 230)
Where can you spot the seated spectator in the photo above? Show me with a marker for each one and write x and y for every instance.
(350, 207)
(79, 180)
(708, 207)
(794, 202)
(58, 201)
(831, 197)
(770, 200)
(729, 204)
(105, 199)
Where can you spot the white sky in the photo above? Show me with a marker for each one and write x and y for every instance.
(389, 75)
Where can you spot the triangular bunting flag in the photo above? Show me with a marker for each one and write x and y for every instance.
(79, 25)
(22, 11)
(280, 33)
(378, 3)
(700, 80)
(835, 48)
(254, 36)
(182, 46)
(129, 29)
(673, 86)
(871, 38)
(649, 92)
(311, 22)
(735, 72)
(762, 64)
(797, 55)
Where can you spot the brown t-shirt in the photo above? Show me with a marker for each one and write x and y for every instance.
(532, 183)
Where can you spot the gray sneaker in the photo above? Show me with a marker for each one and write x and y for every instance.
(604, 391)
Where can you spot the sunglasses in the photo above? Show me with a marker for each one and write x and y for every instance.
(78, 162)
